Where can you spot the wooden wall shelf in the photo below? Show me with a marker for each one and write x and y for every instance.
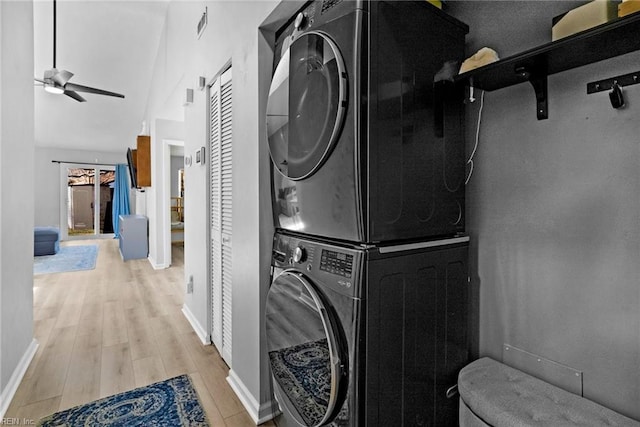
(605, 41)
(143, 163)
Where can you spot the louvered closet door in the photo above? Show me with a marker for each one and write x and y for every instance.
(221, 197)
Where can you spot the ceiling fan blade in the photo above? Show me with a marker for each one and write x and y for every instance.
(38, 80)
(74, 95)
(61, 77)
(80, 88)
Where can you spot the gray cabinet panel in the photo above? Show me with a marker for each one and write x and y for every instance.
(133, 237)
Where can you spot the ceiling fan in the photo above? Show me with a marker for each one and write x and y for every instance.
(57, 81)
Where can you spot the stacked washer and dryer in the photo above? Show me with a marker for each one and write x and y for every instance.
(366, 315)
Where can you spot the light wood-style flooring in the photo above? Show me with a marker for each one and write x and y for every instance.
(115, 328)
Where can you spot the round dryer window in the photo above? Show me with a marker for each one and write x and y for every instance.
(306, 106)
(303, 351)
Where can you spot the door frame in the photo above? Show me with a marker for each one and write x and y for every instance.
(166, 197)
(64, 201)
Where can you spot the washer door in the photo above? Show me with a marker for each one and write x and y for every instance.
(303, 350)
(306, 106)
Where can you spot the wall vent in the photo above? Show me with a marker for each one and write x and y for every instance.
(560, 375)
(202, 24)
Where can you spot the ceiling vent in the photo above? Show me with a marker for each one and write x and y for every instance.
(202, 24)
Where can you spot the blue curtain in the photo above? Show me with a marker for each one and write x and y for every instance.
(120, 197)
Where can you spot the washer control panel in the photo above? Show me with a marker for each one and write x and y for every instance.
(335, 262)
(330, 265)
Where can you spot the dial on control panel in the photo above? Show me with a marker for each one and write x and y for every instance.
(299, 254)
(299, 22)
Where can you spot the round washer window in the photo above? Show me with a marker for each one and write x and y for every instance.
(303, 350)
(306, 106)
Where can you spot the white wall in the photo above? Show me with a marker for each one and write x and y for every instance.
(47, 178)
(16, 205)
(232, 36)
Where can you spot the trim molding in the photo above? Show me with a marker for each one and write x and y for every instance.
(155, 264)
(421, 245)
(12, 386)
(259, 413)
(197, 327)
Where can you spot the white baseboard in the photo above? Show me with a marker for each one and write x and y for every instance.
(197, 327)
(258, 413)
(12, 386)
(156, 265)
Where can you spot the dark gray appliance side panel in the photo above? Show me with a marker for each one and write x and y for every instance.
(416, 168)
(416, 336)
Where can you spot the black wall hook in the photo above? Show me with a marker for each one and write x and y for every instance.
(606, 84)
(615, 84)
(615, 96)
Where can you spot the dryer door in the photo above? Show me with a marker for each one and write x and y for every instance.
(303, 346)
(306, 106)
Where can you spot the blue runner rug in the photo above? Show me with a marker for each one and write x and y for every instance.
(68, 258)
(173, 402)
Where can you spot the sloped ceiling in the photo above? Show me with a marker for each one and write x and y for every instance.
(108, 44)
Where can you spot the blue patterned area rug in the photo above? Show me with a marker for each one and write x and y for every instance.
(68, 258)
(173, 402)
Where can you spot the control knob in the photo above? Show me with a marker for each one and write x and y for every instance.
(299, 254)
(300, 21)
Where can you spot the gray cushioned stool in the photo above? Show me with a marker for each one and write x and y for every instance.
(46, 241)
(493, 394)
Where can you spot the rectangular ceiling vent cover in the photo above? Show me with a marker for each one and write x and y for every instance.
(202, 24)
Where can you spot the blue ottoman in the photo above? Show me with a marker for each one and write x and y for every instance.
(46, 241)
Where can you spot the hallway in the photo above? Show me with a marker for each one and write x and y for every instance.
(115, 328)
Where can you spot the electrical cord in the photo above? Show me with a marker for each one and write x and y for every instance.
(475, 147)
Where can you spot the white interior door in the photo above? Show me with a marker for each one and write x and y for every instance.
(221, 197)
